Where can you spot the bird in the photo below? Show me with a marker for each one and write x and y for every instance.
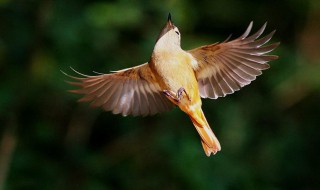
(174, 77)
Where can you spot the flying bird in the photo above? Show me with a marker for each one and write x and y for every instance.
(175, 77)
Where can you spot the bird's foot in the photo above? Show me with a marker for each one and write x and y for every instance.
(171, 95)
(176, 97)
(180, 91)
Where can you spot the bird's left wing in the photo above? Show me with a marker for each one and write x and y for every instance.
(132, 91)
(223, 68)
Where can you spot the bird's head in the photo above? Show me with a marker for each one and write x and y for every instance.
(169, 36)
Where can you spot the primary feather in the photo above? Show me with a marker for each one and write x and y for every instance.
(223, 68)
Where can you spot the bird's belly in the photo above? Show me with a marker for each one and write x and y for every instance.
(173, 75)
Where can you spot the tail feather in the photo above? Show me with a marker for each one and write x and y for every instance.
(209, 141)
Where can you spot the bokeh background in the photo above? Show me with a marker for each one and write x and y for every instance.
(269, 130)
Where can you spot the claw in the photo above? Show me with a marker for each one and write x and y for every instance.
(176, 96)
(180, 91)
(170, 95)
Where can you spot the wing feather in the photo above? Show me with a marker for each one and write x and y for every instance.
(132, 91)
(151, 99)
(223, 68)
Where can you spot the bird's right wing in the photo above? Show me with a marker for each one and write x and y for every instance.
(133, 91)
(223, 68)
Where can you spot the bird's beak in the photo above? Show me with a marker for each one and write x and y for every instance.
(169, 26)
(169, 22)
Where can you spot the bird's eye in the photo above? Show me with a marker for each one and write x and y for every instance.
(177, 32)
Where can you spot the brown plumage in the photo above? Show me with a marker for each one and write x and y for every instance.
(177, 77)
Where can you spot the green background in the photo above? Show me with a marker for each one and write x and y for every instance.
(269, 130)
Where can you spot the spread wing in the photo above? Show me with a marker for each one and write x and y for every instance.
(223, 68)
(133, 91)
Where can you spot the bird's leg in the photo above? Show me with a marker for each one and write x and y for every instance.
(176, 97)
(170, 95)
(180, 91)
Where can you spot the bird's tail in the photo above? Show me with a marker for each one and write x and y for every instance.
(209, 141)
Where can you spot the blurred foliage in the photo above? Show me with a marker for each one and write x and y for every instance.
(269, 131)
